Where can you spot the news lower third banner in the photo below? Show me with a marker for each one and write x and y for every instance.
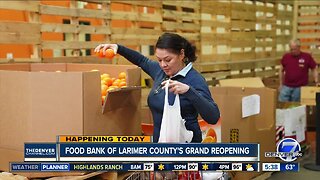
(142, 152)
(83, 167)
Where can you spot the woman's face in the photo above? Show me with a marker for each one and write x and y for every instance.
(169, 62)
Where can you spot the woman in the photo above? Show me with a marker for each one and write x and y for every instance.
(175, 56)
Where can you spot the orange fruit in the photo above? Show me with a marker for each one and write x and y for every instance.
(122, 84)
(108, 81)
(114, 87)
(104, 75)
(116, 82)
(100, 53)
(104, 92)
(122, 75)
(103, 87)
(109, 53)
(208, 139)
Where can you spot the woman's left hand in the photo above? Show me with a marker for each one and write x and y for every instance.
(176, 87)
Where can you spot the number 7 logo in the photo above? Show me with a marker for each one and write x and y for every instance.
(287, 149)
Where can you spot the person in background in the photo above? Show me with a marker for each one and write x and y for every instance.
(175, 56)
(294, 72)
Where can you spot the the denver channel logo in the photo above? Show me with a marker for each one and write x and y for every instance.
(40, 152)
(288, 150)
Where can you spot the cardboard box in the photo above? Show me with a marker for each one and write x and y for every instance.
(308, 95)
(37, 106)
(258, 128)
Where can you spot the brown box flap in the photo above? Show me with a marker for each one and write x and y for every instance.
(119, 98)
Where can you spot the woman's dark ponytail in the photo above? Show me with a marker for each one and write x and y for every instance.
(190, 52)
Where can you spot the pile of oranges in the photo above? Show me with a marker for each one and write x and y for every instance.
(109, 83)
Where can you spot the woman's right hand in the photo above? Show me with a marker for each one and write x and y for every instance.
(104, 47)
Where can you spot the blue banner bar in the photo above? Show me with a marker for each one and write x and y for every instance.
(92, 167)
(158, 150)
(141, 152)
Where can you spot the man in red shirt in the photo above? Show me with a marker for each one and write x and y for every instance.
(294, 72)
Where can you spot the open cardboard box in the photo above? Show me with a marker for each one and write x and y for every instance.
(259, 128)
(37, 104)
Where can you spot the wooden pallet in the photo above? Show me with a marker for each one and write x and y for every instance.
(141, 22)
(213, 72)
(140, 26)
(73, 28)
(27, 34)
(308, 23)
(243, 35)
(284, 26)
(145, 21)
(182, 17)
(215, 31)
(265, 29)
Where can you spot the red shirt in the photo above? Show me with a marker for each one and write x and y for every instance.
(296, 69)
